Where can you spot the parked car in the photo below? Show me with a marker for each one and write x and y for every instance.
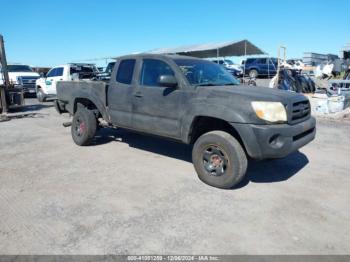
(234, 69)
(22, 76)
(196, 102)
(255, 67)
(227, 63)
(236, 73)
(46, 86)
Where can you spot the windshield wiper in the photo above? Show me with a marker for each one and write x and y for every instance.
(217, 84)
(229, 84)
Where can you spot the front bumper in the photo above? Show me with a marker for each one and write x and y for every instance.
(30, 90)
(27, 89)
(275, 141)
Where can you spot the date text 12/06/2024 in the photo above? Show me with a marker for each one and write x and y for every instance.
(173, 258)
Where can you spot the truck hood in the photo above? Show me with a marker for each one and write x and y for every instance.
(233, 103)
(13, 75)
(248, 93)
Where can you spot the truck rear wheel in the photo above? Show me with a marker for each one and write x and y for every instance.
(219, 159)
(83, 126)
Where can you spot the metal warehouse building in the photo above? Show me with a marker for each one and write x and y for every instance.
(314, 59)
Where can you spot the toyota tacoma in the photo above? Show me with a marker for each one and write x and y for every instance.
(194, 101)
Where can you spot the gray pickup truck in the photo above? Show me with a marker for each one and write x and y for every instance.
(196, 102)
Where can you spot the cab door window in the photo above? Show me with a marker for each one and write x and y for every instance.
(151, 70)
(59, 71)
(51, 73)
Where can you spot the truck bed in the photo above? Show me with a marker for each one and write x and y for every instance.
(69, 91)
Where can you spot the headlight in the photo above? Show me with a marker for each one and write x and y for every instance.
(270, 111)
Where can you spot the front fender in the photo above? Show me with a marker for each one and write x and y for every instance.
(214, 110)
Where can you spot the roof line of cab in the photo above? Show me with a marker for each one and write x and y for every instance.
(171, 56)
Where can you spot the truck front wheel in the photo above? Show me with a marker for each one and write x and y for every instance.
(40, 95)
(83, 126)
(219, 159)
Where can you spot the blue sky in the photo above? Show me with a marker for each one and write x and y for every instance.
(48, 33)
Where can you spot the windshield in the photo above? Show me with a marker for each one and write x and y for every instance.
(205, 73)
(19, 68)
(81, 69)
(84, 71)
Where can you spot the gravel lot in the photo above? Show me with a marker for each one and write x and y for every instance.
(133, 194)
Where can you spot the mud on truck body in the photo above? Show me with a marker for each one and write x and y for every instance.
(196, 102)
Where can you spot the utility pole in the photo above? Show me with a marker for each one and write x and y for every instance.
(4, 75)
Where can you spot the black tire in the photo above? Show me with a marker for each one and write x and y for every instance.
(253, 73)
(83, 126)
(231, 160)
(40, 95)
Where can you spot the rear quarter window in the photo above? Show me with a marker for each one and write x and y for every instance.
(125, 71)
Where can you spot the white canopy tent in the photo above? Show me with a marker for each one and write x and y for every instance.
(231, 48)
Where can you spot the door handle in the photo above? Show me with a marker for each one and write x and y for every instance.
(138, 94)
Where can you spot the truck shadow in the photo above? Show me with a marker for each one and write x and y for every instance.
(266, 171)
(27, 111)
(36, 107)
(274, 170)
(30, 108)
(144, 142)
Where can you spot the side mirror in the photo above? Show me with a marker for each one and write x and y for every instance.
(167, 81)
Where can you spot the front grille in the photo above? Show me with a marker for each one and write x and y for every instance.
(300, 110)
(28, 82)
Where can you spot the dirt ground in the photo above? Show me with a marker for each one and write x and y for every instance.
(134, 194)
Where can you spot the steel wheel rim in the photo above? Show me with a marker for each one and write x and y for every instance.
(79, 127)
(215, 160)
